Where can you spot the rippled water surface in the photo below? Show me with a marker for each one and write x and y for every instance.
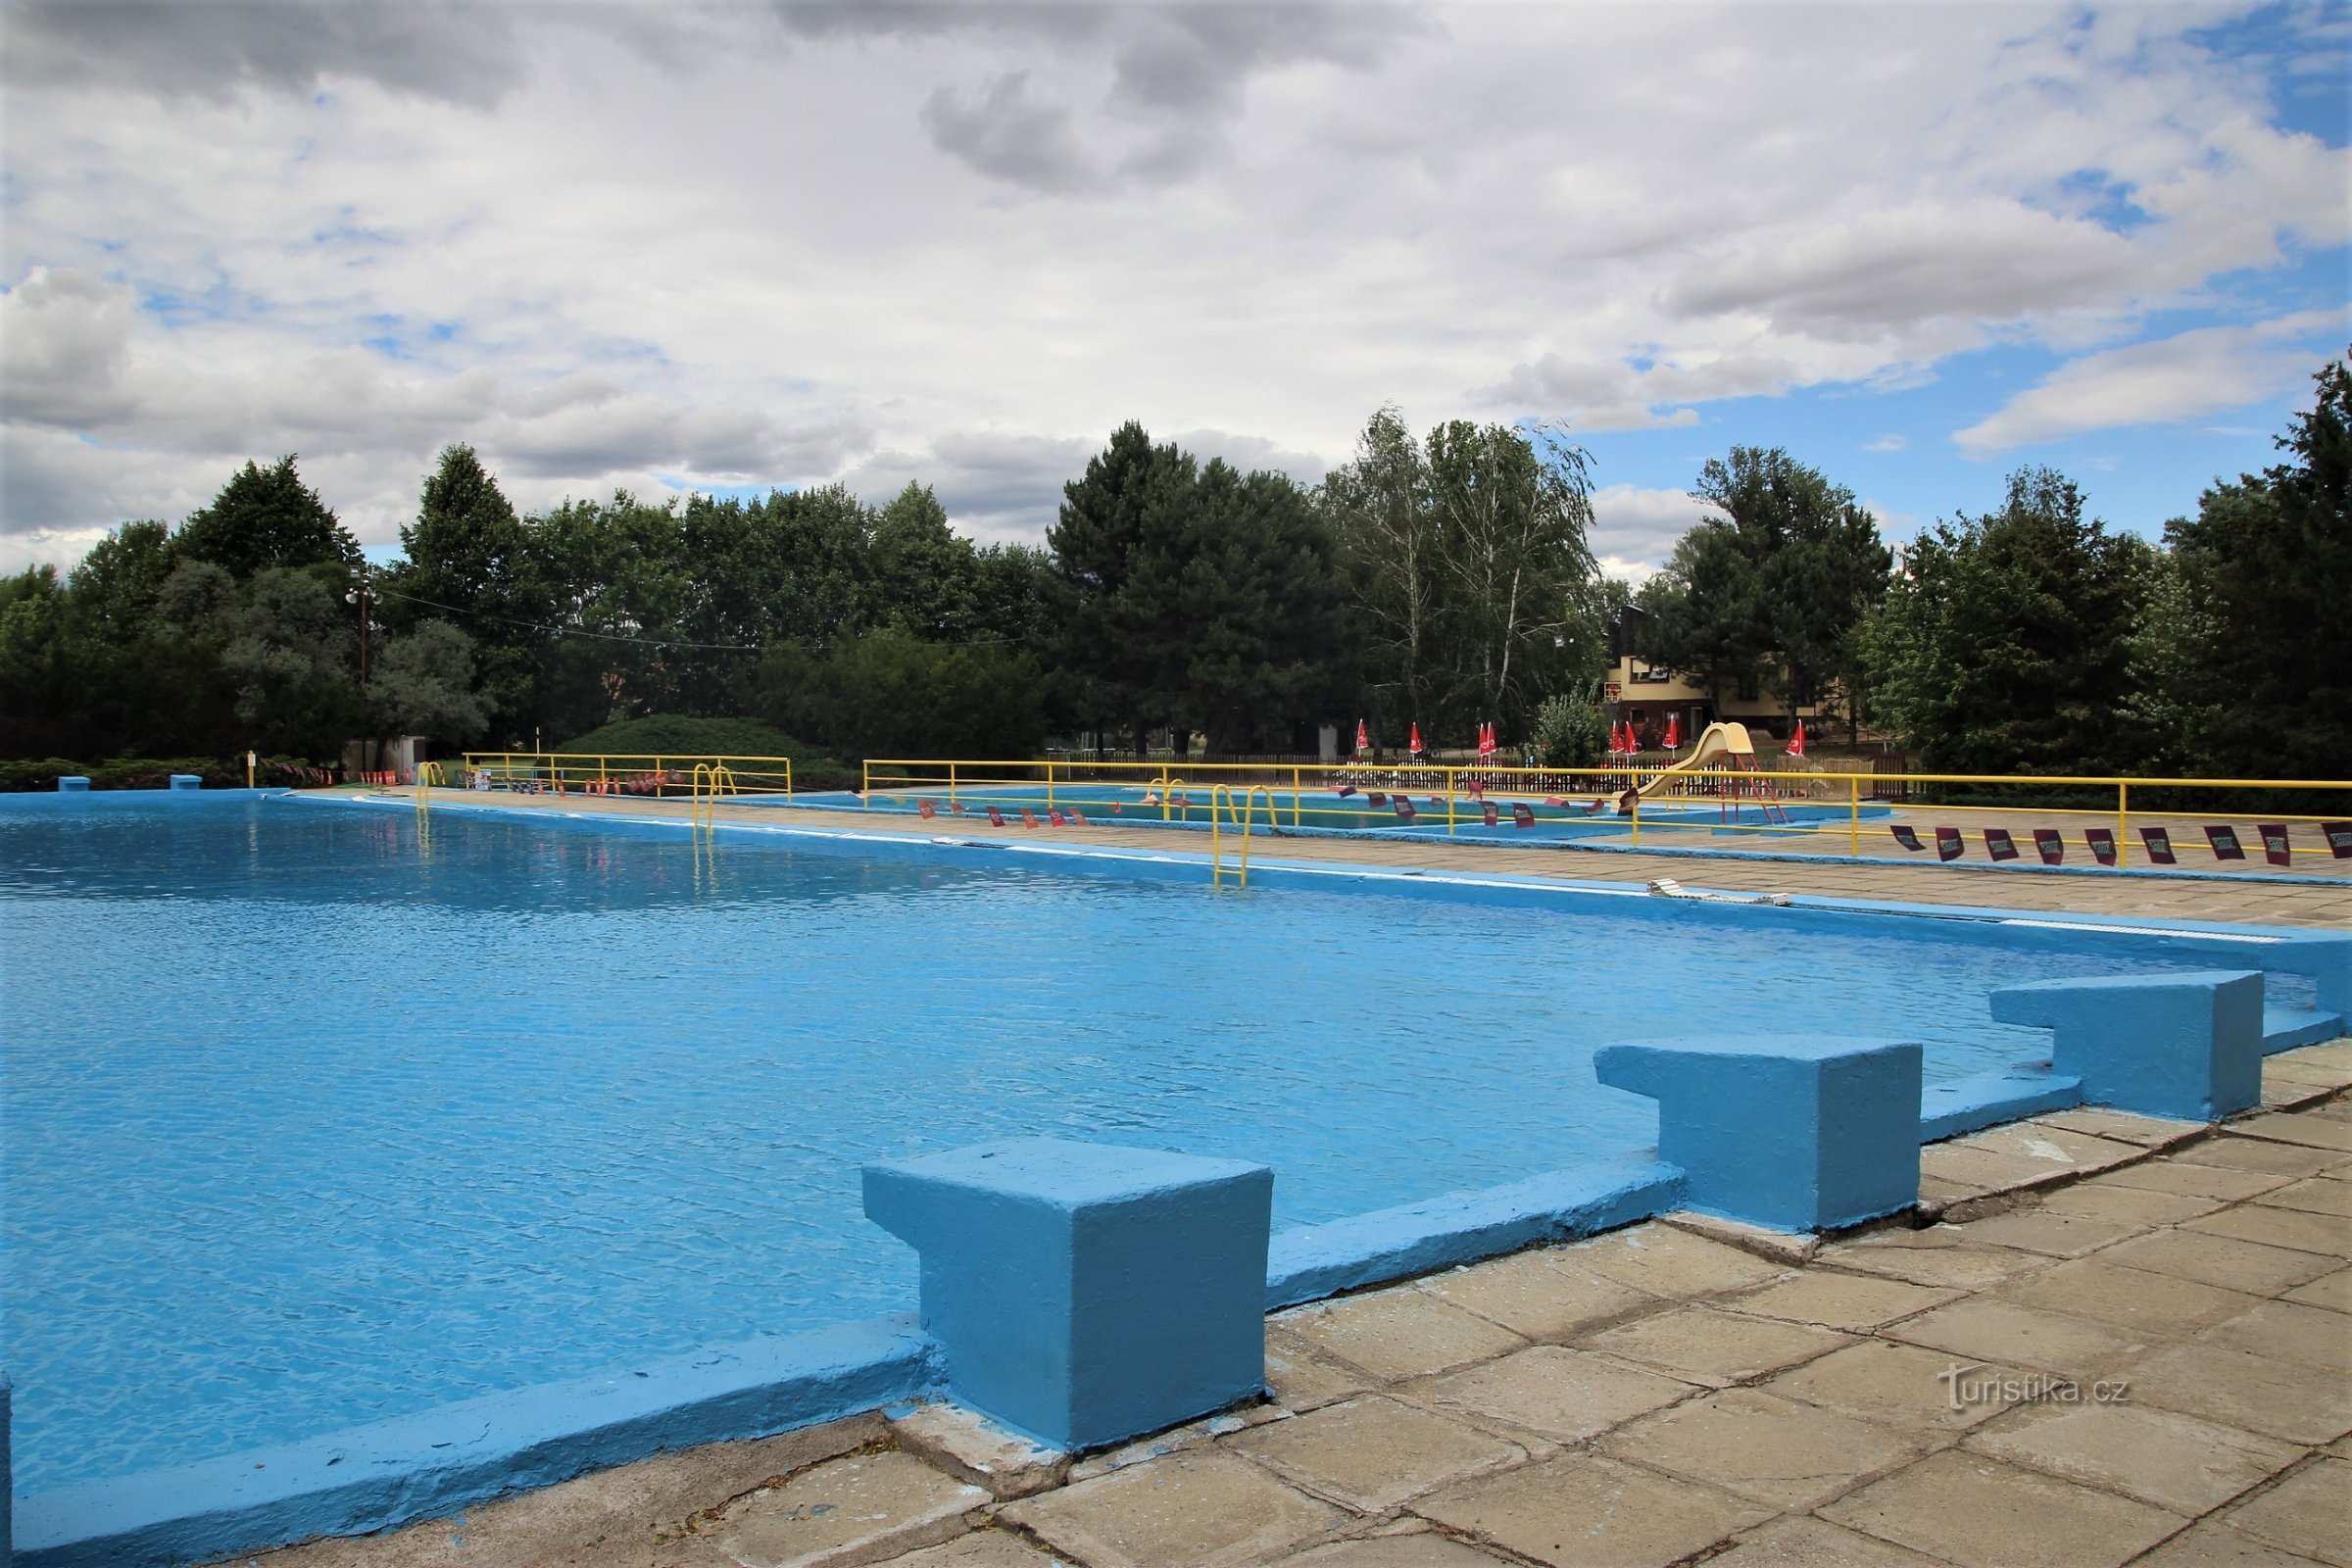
(305, 1128)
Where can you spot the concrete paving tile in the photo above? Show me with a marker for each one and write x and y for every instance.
(1371, 1455)
(2170, 1175)
(1538, 1293)
(1789, 1249)
(2038, 1230)
(1196, 1509)
(1982, 1170)
(1899, 1385)
(2215, 1545)
(2047, 1148)
(2328, 1235)
(1980, 1512)
(1581, 1511)
(2130, 1299)
(971, 1448)
(2309, 1512)
(1816, 1543)
(857, 1509)
(2290, 1331)
(2175, 1461)
(1704, 1344)
(1949, 1264)
(2221, 1260)
(1988, 1330)
(1855, 1302)
(1301, 1379)
(2127, 1205)
(2336, 1053)
(1423, 1548)
(1398, 1333)
(2124, 1126)
(2231, 1152)
(2333, 1291)
(1665, 1261)
(1937, 1194)
(1773, 1451)
(982, 1548)
(2236, 1387)
(2292, 1127)
(1566, 1396)
(2317, 1195)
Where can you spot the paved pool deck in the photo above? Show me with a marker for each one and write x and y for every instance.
(2125, 1339)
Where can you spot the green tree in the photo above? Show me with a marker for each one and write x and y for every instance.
(1772, 592)
(1117, 549)
(468, 557)
(1517, 575)
(266, 517)
(1571, 731)
(2244, 675)
(888, 695)
(2005, 642)
(1468, 564)
(423, 684)
(291, 650)
(1255, 613)
(1387, 529)
(925, 577)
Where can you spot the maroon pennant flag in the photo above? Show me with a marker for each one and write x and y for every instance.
(1907, 837)
(1949, 845)
(2274, 847)
(2223, 839)
(2160, 846)
(2049, 846)
(1999, 845)
(2102, 844)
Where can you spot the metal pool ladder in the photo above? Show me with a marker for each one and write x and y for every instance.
(1223, 797)
(706, 784)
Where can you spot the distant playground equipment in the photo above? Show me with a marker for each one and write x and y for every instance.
(1724, 743)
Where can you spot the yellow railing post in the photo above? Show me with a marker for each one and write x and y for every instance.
(1294, 806)
(1636, 813)
(2123, 822)
(1049, 786)
(866, 784)
(1854, 815)
(1449, 783)
(951, 784)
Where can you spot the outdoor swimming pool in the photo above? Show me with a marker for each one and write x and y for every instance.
(308, 1127)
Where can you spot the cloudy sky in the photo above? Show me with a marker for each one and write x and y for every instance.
(731, 247)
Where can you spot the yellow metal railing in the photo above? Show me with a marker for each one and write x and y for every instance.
(645, 773)
(1651, 799)
(1225, 799)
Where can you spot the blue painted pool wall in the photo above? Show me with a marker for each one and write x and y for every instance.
(1082, 1293)
(1988, 1098)
(73, 784)
(188, 781)
(391, 1473)
(1801, 1134)
(1312, 1262)
(2183, 1046)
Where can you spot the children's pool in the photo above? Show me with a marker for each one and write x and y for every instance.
(307, 1124)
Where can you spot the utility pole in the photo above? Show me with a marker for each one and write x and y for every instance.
(359, 596)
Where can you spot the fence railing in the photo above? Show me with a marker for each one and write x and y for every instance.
(2030, 819)
(649, 773)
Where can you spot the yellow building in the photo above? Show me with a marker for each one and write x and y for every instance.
(1646, 696)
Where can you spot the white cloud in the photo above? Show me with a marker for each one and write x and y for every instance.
(958, 242)
(1633, 530)
(2171, 380)
(1888, 443)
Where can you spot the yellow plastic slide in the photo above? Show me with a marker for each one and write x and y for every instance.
(1715, 743)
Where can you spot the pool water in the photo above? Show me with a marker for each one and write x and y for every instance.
(306, 1127)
